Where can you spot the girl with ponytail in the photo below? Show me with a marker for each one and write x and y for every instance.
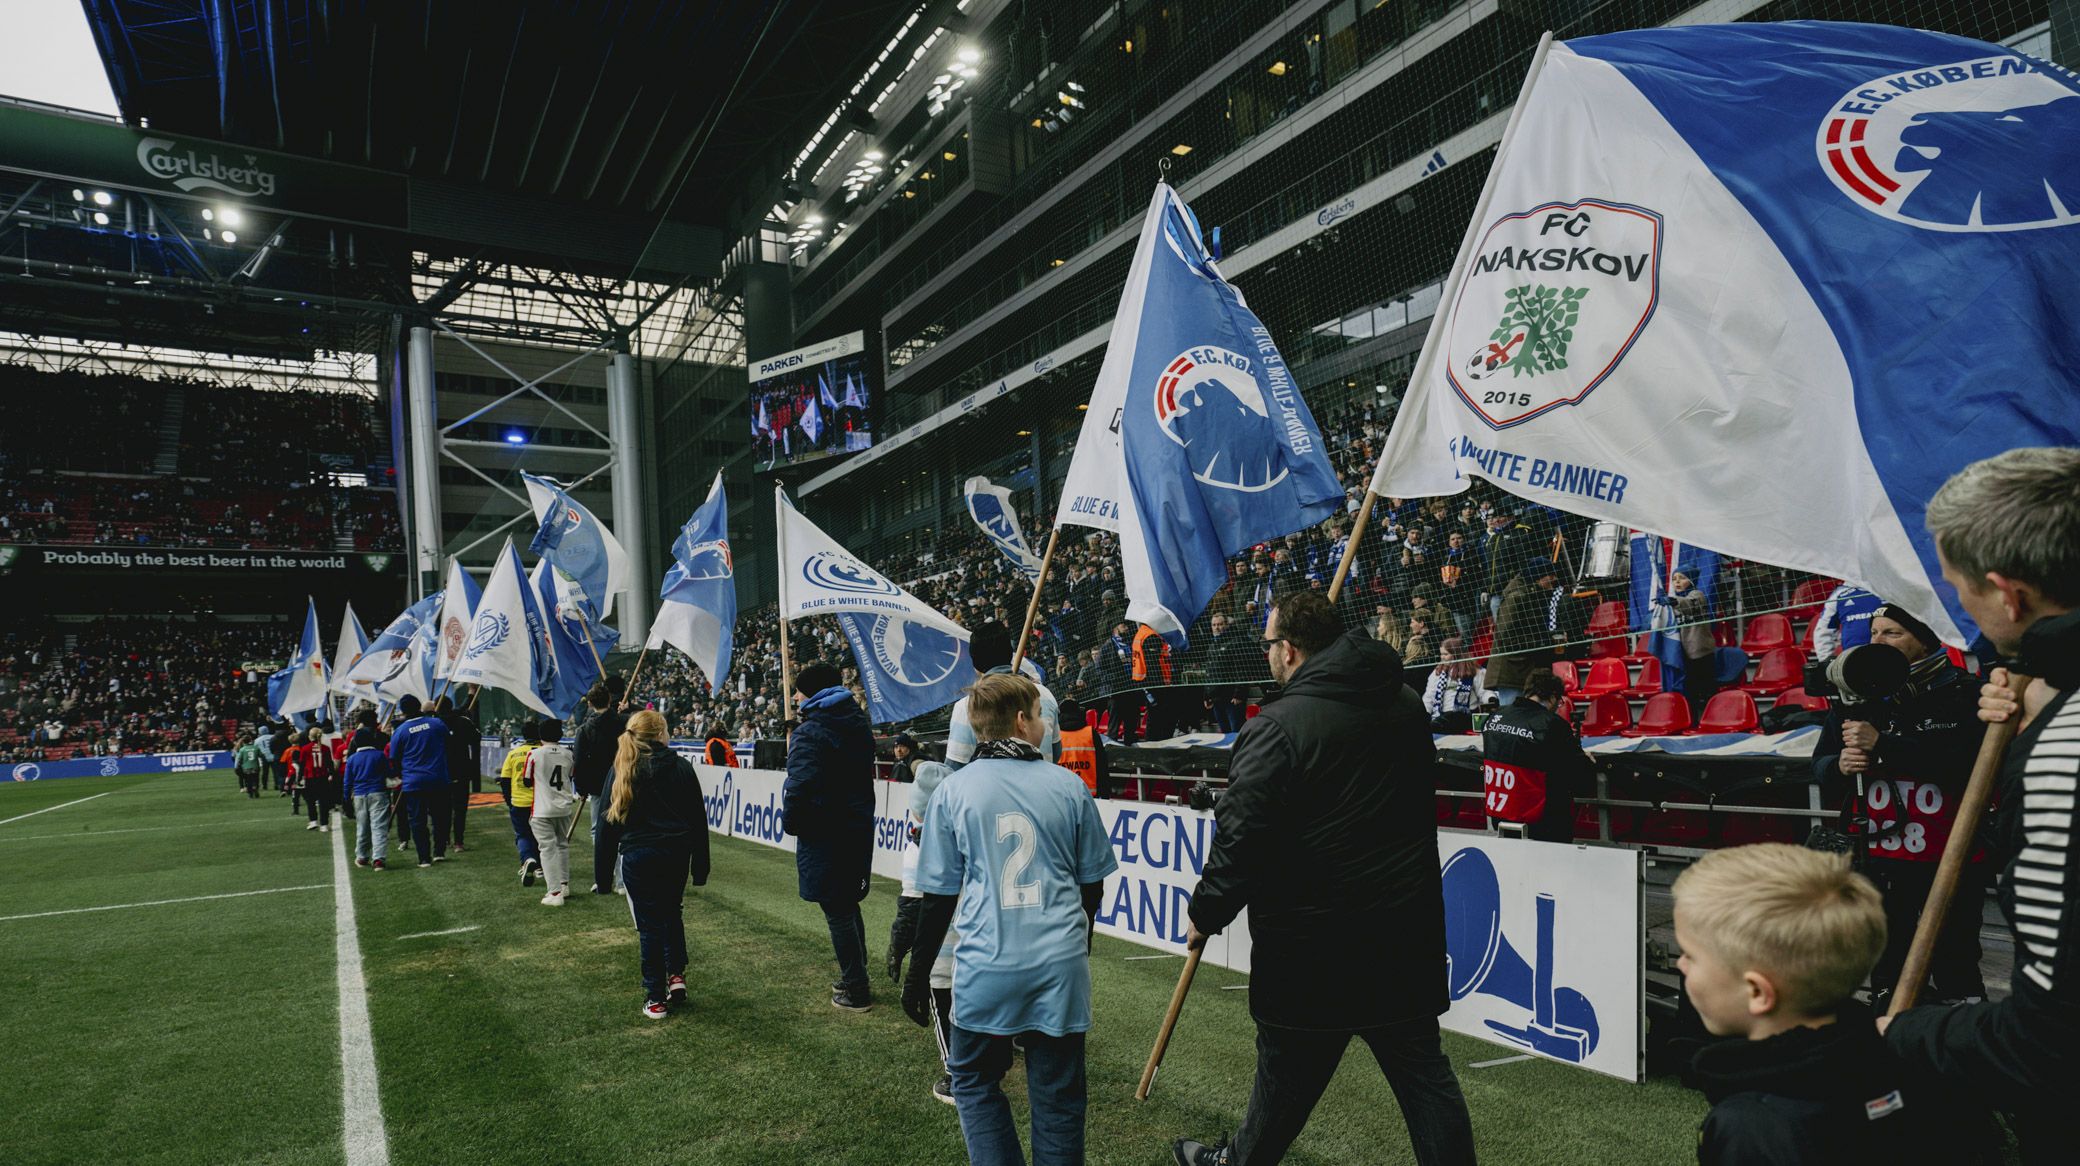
(664, 844)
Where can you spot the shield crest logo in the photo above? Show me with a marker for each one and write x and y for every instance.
(1552, 301)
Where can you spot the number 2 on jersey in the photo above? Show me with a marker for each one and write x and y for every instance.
(1011, 893)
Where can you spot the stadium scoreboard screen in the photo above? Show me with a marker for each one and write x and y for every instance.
(814, 402)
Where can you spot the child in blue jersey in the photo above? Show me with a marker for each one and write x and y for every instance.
(989, 646)
(1018, 844)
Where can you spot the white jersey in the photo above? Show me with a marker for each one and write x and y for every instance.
(548, 770)
(960, 735)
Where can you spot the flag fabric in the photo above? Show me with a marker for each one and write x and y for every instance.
(572, 670)
(508, 646)
(352, 642)
(1653, 560)
(762, 424)
(304, 681)
(990, 506)
(812, 422)
(1762, 287)
(579, 545)
(451, 623)
(824, 394)
(819, 577)
(1214, 451)
(397, 662)
(907, 669)
(697, 608)
(854, 398)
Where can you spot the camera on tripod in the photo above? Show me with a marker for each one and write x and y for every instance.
(1859, 678)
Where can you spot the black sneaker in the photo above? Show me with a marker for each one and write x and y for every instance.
(1190, 1153)
(675, 990)
(528, 873)
(859, 1000)
(943, 1089)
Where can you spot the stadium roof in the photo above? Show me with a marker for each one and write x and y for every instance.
(608, 139)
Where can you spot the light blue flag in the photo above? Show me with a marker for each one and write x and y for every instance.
(302, 683)
(573, 669)
(908, 669)
(697, 609)
(990, 506)
(390, 667)
(1220, 452)
(577, 544)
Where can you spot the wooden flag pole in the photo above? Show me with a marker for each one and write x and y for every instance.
(786, 657)
(628, 694)
(587, 625)
(572, 829)
(1350, 547)
(786, 675)
(1155, 1055)
(1018, 653)
(1964, 834)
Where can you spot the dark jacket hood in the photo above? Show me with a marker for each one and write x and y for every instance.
(1839, 1062)
(835, 695)
(1353, 670)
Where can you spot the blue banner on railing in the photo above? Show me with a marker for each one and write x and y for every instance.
(116, 766)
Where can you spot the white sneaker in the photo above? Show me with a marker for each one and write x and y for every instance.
(312, 826)
(553, 899)
(324, 829)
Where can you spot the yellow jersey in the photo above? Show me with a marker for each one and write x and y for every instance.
(510, 771)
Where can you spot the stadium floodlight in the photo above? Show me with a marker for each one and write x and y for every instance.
(1075, 88)
(942, 78)
(78, 195)
(231, 217)
(875, 155)
(230, 236)
(1277, 69)
(100, 218)
(104, 198)
(1180, 149)
(515, 437)
(209, 215)
(968, 55)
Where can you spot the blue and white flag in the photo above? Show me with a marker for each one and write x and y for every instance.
(819, 577)
(908, 669)
(1763, 288)
(990, 506)
(352, 642)
(812, 422)
(398, 661)
(304, 681)
(451, 623)
(1654, 559)
(697, 609)
(508, 646)
(578, 544)
(1196, 445)
(573, 670)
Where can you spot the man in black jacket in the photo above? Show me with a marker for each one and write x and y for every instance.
(828, 805)
(592, 774)
(1532, 764)
(465, 771)
(1328, 835)
(2007, 530)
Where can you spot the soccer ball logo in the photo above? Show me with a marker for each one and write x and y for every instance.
(1208, 401)
(1494, 356)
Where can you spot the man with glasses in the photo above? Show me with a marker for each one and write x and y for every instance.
(1328, 835)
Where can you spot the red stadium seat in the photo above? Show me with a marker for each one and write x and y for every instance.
(1249, 711)
(1810, 596)
(1732, 711)
(1609, 716)
(1798, 698)
(1642, 648)
(1649, 681)
(1767, 633)
(1781, 669)
(1606, 675)
(1566, 710)
(1569, 678)
(1667, 715)
(1607, 631)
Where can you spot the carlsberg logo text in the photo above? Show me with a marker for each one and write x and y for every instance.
(192, 169)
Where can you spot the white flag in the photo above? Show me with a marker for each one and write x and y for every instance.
(451, 625)
(507, 647)
(819, 577)
(352, 642)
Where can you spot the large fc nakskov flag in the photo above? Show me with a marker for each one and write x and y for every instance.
(1762, 288)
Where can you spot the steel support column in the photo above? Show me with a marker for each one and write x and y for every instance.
(623, 422)
(426, 461)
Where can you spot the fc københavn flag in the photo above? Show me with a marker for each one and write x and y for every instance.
(396, 661)
(1762, 288)
(819, 577)
(302, 683)
(578, 544)
(451, 622)
(697, 609)
(908, 669)
(508, 646)
(572, 670)
(352, 642)
(1216, 451)
(990, 506)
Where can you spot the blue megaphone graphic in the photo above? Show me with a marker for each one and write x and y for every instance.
(1479, 959)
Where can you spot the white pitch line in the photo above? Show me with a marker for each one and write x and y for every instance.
(160, 902)
(240, 821)
(59, 806)
(1500, 1061)
(361, 1103)
(449, 931)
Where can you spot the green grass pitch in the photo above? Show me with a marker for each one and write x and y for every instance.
(208, 1031)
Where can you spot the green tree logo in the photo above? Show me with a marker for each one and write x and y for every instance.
(1546, 317)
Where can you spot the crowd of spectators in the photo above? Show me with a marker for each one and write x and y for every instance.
(81, 455)
(128, 685)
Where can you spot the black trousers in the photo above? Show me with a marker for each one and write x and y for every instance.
(458, 809)
(1294, 1067)
(420, 806)
(1955, 966)
(1126, 716)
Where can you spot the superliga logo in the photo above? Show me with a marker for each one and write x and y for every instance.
(1991, 144)
(1554, 298)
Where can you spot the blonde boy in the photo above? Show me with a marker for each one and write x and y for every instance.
(1775, 941)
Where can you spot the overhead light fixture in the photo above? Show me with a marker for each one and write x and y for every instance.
(968, 55)
(1075, 88)
(1056, 262)
(1084, 408)
(231, 217)
(104, 198)
(1278, 69)
(78, 195)
(1025, 433)
(875, 155)
(1381, 389)
(1037, 123)
(1069, 99)
(949, 155)
(942, 78)
(100, 218)
(515, 437)
(231, 236)
(1127, 47)
(1180, 149)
